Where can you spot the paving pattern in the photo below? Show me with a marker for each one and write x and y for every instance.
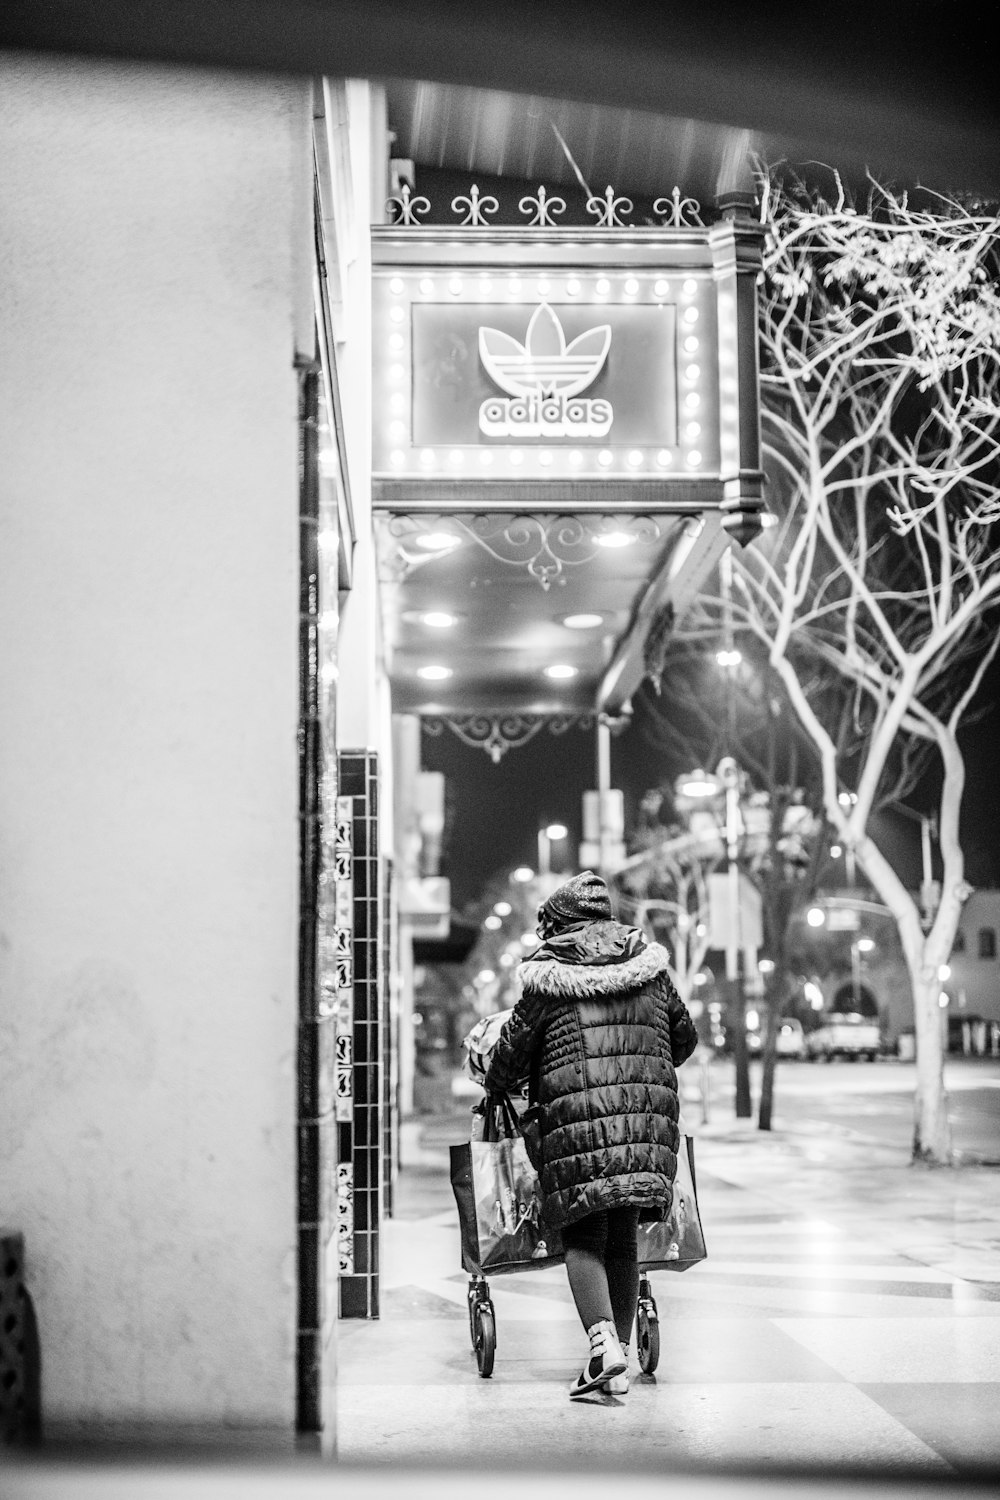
(847, 1322)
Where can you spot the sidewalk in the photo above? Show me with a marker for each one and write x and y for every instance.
(846, 1323)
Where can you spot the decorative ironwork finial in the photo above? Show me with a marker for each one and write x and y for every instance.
(542, 207)
(679, 212)
(606, 210)
(474, 207)
(407, 206)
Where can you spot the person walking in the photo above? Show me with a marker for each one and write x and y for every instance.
(600, 1028)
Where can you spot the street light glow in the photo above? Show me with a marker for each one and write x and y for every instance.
(728, 658)
(556, 831)
(816, 916)
(503, 908)
(493, 923)
(865, 945)
(698, 784)
(523, 874)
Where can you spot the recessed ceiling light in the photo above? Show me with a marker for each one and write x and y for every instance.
(583, 622)
(559, 670)
(434, 673)
(615, 539)
(438, 541)
(437, 619)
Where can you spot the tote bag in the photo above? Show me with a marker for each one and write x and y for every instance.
(499, 1200)
(677, 1242)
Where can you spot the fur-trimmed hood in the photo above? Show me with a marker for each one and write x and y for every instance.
(581, 981)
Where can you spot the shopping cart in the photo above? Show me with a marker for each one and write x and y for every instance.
(503, 1247)
(483, 1325)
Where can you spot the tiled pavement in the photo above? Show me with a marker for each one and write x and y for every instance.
(847, 1322)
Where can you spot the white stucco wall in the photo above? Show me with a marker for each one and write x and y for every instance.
(154, 245)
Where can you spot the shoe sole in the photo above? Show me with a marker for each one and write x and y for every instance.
(595, 1385)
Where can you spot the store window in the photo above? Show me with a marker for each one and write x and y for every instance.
(987, 942)
(958, 946)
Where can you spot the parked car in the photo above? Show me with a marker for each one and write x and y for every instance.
(791, 1039)
(844, 1034)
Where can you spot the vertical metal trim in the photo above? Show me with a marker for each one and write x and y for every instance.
(310, 1300)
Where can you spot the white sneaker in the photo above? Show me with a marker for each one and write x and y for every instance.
(605, 1363)
(618, 1384)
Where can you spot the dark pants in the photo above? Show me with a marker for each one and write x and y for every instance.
(603, 1269)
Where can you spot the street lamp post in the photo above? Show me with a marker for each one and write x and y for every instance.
(554, 833)
(727, 780)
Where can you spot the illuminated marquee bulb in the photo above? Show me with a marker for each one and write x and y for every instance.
(544, 285)
(692, 372)
(572, 286)
(397, 314)
(692, 401)
(396, 285)
(455, 285)
(690, 287)
(664, 458)
(602, 286)
(631, 287)
(692, 430)
(514, 285)
(545, 458)
(397, 342)
(426, 285)
(661, 287)
(694, 458)
(516, 456)
(604, 458)
(634, 458)
(690, 315)
(397, 429)
(690, 344)
(397, 458)
(485, 285)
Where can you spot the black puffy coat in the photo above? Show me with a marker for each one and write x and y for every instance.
(604, 1034)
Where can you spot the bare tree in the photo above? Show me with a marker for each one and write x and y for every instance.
(880, 339)
(697, 713)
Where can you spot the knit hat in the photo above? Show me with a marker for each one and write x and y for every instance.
(585, 898)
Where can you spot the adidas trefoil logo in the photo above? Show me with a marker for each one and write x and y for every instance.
(544, 377)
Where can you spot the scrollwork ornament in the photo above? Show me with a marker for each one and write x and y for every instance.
(545, 544)
(498, 733)
(608, 210)
(542, 207)
(679, 213)
(408, 207)
(475, 208)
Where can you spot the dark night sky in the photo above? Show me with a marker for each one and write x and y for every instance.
(494, 811)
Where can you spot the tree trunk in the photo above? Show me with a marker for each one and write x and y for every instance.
(737, 1020)
(924, 953)
(769, 1058)
(931, 1131)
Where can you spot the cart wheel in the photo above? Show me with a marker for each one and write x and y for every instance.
(485, 1343)
(648, 1336)
(471, 1303)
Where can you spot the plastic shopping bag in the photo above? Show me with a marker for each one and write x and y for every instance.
(500, 1205)
(677, 1242)
(480, 1042)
